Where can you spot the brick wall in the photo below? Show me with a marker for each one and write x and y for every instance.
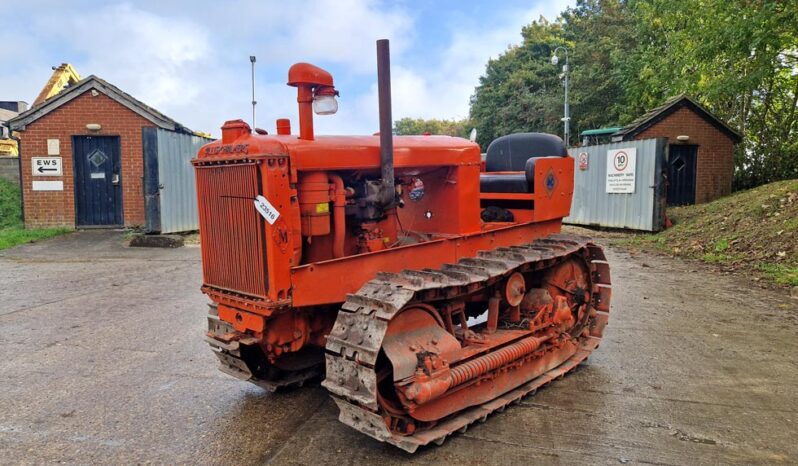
(57, 208)
(714, 164)
(9, 169)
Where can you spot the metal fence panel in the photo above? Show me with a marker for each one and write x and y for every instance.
(642, 210)
(170, 187)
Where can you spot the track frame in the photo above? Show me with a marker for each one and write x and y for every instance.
(354, 345)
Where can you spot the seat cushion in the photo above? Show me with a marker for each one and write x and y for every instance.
(511, 152)
(503, 183)
(510, 182)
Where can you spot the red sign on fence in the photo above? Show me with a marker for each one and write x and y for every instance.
(583, 157)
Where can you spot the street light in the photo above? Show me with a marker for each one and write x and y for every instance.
(252, 60)
(567, 111)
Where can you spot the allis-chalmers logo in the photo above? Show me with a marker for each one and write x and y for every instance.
(227, 149)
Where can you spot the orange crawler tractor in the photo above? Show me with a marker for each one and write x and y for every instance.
(430, 287)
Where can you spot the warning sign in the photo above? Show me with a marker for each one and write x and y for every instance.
(621, 170)
(583, 160)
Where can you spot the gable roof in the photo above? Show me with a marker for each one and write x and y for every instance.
(671, 105)
(92, 82)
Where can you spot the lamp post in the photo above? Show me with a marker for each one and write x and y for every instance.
(567, 111)
(252, 60)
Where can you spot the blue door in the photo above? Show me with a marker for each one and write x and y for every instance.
(681, 174)
(98, 182)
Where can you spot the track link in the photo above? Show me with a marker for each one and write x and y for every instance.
(232, 363)
(355, 341)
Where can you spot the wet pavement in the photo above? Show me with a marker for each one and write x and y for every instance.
(103, 361)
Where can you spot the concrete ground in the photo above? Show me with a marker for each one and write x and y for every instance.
(103, 361)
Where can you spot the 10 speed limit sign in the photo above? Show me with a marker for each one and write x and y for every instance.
(621, 170)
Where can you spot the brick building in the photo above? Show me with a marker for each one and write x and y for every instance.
(700, 149)
(82, 157)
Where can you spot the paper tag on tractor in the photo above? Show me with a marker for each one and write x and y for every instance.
(266, 209)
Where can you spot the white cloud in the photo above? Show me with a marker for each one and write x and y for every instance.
(335, 31)
(344, 31)
(154, 58)
(444, 91)
(190, 61)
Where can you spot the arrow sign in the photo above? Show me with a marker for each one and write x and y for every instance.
(46, 166)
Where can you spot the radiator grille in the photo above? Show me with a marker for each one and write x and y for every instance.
(231, 230)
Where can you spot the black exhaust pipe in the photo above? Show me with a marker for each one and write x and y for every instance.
(386, 120)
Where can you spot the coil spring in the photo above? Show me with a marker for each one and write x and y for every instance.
(491, 361)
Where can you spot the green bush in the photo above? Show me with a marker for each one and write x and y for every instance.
(12, 230)
(10, 205)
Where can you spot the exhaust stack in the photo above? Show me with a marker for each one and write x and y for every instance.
(386, 120)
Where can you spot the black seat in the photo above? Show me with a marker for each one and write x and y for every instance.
(509, 182)
(517, 152)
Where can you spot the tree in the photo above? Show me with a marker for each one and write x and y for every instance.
(739, 58)
(602, 36)
(522, 91)
(519, 91)
(417, 126)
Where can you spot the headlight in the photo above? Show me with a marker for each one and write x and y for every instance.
(325, 104)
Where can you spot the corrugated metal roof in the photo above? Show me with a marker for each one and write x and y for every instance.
(600, 131)
(6, 115)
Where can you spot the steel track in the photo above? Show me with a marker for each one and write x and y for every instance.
(354, 343)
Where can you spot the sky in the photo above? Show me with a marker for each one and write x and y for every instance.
(190, 59)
